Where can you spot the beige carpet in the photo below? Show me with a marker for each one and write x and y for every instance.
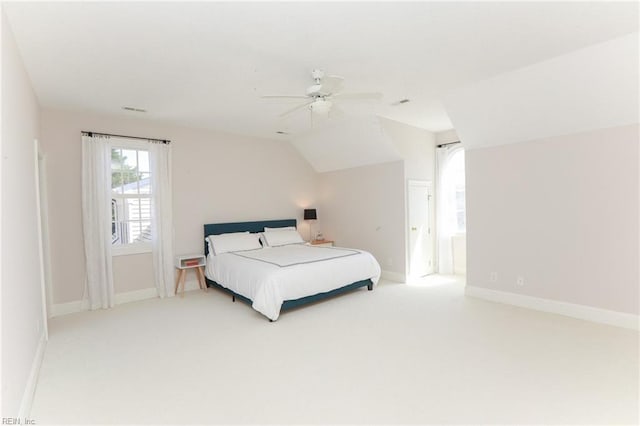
(399, 354)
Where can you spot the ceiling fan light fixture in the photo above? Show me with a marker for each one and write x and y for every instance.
(321, 106)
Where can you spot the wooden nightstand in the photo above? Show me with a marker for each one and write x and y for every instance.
(322, 243)
(190, 261)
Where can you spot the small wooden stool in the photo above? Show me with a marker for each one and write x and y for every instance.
(195, 262)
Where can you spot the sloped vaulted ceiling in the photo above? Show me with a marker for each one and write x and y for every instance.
(206, 64)
(592, 88)
(346, 144)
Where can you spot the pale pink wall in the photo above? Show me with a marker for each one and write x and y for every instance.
(22, 315)
(132, 272)
(417, 147)
(563, 213)
(363, 207)
(216, 178)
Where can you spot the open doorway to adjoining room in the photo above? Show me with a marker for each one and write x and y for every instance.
(451, 210)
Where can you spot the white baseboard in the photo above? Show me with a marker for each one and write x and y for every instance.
(59, 309)
(588, 313)
(191, 285)
(133, 296)
(393, 276)
(32, 381)
(126, 297)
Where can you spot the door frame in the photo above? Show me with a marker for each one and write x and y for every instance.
(431, 208)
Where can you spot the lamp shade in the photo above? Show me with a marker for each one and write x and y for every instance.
(310, 214)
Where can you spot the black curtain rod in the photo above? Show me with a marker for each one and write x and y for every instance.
(165, 141)
(448, 143)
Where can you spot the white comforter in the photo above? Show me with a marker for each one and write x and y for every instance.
(271, 275)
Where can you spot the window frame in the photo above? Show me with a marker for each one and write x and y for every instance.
(139, 247)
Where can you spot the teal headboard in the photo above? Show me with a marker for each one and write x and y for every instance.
(258, 226)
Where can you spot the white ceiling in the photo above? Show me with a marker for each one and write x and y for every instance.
(206, 64)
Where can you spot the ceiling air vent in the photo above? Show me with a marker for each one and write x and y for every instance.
(128, 108)
(401, 101)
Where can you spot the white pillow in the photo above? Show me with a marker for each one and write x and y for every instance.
(282, 238)
(284, 228)
(228, 235)
(236, 241)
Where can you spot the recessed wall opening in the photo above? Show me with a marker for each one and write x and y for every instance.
(451, 211)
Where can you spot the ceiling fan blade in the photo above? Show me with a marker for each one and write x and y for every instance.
(359, 96)
(295, 109)
(283, 97)
(332, 84)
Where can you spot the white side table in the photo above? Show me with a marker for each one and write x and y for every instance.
(186, 262)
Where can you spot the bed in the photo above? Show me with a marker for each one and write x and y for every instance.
(273, 279)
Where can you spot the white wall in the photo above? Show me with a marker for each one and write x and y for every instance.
(563, 213)
(216, 178)
(363, 207)
(416, 147)
(552, 178)
(22, 316)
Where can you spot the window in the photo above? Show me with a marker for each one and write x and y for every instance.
(455, 170)
(130, 200)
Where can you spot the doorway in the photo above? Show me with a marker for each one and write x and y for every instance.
(420, 228)
(451, 216)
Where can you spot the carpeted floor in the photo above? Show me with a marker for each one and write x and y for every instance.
(420, 353)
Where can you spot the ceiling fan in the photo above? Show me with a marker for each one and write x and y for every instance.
(322, 95)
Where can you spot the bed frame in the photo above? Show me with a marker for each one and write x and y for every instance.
(258, 226)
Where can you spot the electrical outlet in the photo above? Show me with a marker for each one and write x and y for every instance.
(520, 280)
(493, 277)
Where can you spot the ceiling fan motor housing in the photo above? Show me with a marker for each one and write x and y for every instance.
(314, 90)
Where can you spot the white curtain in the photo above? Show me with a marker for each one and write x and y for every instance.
(96, 220)
(445, 209)
(161, 217)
